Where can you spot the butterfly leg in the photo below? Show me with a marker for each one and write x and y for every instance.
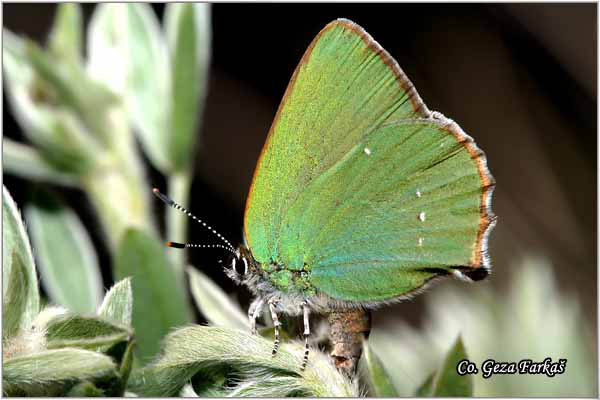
(305, 312)
(254, 312)
(276, 325)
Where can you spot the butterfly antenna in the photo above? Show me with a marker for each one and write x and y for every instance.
(177, 245)
(176, 206)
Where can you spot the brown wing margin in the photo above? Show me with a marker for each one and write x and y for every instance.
(480, 257)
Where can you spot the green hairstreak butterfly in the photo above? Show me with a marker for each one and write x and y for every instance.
(362, 196)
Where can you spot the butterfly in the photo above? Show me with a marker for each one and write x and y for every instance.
(361, 196)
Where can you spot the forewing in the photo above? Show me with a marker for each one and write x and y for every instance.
(345, 87)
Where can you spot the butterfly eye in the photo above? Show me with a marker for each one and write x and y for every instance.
(239, 265)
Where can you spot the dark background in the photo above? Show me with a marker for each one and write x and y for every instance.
(519, 78)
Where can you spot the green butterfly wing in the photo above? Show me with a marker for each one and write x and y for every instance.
(360, 183)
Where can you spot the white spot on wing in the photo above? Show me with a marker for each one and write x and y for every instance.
(418, 193)
(367, 151)
(422, 216)
(420, 242)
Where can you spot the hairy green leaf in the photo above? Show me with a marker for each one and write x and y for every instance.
(128, 36)
(14, 302)
(214, 304)
(188, 33)
(447, 382)
(51, 372)
(16, 241)
(48, 99)
(65, 255)
(271, 385)
(19, 78)
(67, 33)
(159, 301)
(118, 303)
(88, 101)
(148, 73)
(84, 332)
(27, 162)
(107, 46)
(380, 383)
(199, 350)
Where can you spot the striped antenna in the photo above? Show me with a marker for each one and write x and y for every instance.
(176, 245)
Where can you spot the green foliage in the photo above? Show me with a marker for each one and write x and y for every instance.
(215, 305)
(118, 303)
(126, 365)
(158, 300)
(16, 250)
(84, 332)
(27, 162)
(80, 133)
(378, 380)
(16, 297)
(45, 104)
(447, 382)
(161, 76)
(66, 38)
(65, 255)
(79, 116)
(52, 372)
(144, 70)
(64, 353)
(188, 33)
(55, 352)
(61, 353)
(236, 363)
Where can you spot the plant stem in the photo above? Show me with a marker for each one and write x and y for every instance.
(179, 190)
(120, 203)
(118, 188)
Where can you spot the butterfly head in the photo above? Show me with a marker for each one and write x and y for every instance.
(241, 266)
